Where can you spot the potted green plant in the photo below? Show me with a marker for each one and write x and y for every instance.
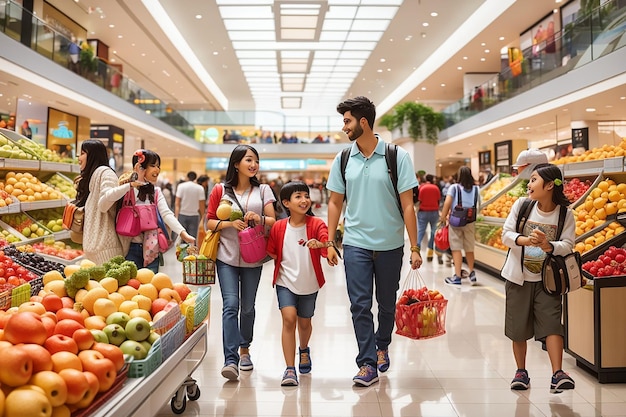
(87, 61)
(421, 121)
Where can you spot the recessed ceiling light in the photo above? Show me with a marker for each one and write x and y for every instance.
(487, 51)
(388, 69)
(198, 16)
(383, 60)
(482, 59)
(434, 14)
(425, 24)
(111, 26)
(216, 53)
(483, 44)
(143, 54)
(520, 128)
(408, 38)
(119, 36)
(590, 109)
(501, 38)
(379, 70)
(465, 58)
(423, 88)
(423, 35)
(459, 68)
(443, 84)
(622, 98)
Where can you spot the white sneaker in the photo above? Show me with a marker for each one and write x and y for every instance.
(230, 372)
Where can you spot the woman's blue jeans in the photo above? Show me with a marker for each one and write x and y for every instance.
(239, 287)
(135, 254)
(365, 269)
(425, 218)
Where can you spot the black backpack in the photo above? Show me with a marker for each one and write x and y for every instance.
(391, 158)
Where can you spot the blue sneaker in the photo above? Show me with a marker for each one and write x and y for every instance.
(383, 360)
(521, 380)
(245, 363)
(472, 278)
(454, 280)
(366, 376)
(290, 379)
(561, 381)
(305, 360)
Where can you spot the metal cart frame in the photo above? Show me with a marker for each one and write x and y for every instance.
(143, 397)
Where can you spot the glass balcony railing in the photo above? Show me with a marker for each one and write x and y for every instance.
(588, 38)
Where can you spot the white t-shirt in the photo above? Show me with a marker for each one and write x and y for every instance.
(546, 222)
(189, 193)
(296, 268)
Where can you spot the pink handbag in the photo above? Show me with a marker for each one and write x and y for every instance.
(147, 216)
(253, 244)
(127, 222)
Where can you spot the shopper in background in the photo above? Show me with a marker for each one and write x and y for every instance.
(143, 249)
(203, 180)
(93, 186)
(190, 204)
(297, 244)
(529, 158)
(529, 311)
(73, 51)
(239, 280)
(373, 239)
(461, 238)
(428, 195)
(26, 130)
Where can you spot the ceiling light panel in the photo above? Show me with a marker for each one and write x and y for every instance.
(306, 42)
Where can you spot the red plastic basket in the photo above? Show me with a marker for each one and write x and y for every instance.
(421, 319)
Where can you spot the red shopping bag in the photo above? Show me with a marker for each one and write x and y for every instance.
(442, 242)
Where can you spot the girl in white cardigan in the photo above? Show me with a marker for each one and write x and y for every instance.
(529, 310)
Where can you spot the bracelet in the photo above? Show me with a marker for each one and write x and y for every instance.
(415, 248)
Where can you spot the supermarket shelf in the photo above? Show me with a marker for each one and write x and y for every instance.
(143, 397)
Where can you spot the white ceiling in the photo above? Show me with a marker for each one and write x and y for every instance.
(196, 65)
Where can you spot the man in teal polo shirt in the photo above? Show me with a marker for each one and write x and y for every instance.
(373, 238)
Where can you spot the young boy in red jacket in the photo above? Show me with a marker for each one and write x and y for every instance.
(297, 244)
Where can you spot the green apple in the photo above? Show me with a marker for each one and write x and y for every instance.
(146, 345)
(134, 349)
(115, 333)
(26, 231)
(137, 329)
(153, 337)
(120, 318)
(99, 336)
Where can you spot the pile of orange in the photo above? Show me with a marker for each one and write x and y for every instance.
(606, 199)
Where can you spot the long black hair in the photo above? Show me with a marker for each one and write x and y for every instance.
(232, 175)
(146, 157)
(290, 188)
(465, 178)
(552, 173)
(97, 156)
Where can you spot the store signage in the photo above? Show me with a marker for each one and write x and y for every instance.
(580, 138)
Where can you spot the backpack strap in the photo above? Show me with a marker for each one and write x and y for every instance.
(561, 224)
(391, 158)
(345, 154)
(522, 217)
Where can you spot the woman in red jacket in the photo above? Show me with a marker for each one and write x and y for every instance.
(297, 243)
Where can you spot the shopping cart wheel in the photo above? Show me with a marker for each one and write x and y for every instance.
(178, 406)
(193, 392)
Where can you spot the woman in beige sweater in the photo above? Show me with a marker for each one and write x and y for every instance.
(100, 240)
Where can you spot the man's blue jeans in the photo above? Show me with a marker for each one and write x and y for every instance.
(237, 330)
(425, 218)
(365, 269)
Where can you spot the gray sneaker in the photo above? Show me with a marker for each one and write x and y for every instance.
(245, 363)
(230, 372)
(472, 278)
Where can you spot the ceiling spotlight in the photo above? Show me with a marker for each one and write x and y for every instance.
(423, 88)
(459, 68)
(483, 44)
(487, 51)
(198, 16)
(590, 109)
(482, 59)
(434, 14)
(443, 84)
(465, 58)
(383, 60)
(423, 35)
(425, 24)
(501, 38)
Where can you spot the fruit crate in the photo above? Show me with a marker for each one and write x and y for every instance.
(173, 338)
(17, 235)
(15, 297)
(140, 368)
(36, 285)
(165, 323)
(197, 313)
(11, 220)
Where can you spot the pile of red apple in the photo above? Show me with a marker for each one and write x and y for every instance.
(611, 262)
(575, 188)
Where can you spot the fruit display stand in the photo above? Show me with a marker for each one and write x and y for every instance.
(595, 316)
(595, 319)
(144, 396)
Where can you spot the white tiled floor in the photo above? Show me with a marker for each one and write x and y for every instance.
(465, 372)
